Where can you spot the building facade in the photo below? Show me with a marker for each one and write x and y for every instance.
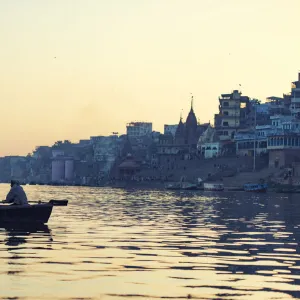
(233, 111)
(137, 129)
(295, 97)
(170, 129)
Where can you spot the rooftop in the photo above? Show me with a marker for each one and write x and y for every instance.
(274, 98)
(132, 124)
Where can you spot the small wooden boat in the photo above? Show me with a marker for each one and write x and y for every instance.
(213, 186)
(36, 213)
(255, 187)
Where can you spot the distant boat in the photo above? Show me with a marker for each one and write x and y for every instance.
(288, 189)
(255, 187)
(173, 186)
(181, 186)
(189, 186)
(213, 187)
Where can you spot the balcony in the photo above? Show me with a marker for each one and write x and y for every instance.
(229, 106)
(295, 100)
(223, 116)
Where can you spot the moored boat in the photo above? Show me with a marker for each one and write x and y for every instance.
(181, 186)
(255, 187)
(36, 213)
(213, 186)
(189, 186)
(173, 186)
(235, 189)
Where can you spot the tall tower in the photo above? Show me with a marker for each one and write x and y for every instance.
(180, 131)
(191, 126)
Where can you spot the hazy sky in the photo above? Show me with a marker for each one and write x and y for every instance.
(71, 69)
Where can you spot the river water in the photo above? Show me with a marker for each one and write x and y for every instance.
(142, 244)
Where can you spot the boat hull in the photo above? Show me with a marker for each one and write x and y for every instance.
(37, 213)
(258, 188)
(189, 186)
(181, 186)
(213, 187)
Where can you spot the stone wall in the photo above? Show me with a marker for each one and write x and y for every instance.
(283, 158)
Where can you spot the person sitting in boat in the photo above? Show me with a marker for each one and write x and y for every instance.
(16, 195)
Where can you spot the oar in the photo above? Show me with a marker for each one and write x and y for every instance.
(58, 202)
(53, 202)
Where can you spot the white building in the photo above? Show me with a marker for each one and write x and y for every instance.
(137, 129)
(285, 122)
(212, 149)
(62, 167)
(209, 144)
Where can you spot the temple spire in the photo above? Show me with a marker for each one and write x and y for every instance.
(192, 102)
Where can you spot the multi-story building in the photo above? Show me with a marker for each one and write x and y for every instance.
(278, 105)
(137, 129)
(295, 97)
(106, 150)
(284, 142)
(233, 111)
(170, 129)
(209, 144)
(285, 122)
(244, 141)
(284, 148)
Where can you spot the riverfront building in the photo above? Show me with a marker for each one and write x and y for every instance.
(233, 111)
(138, 129)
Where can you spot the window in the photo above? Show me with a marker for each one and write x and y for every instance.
(295, 94)
(225, 113)
(225, 124)
(225, 104)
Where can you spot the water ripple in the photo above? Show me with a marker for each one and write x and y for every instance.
(116, 244)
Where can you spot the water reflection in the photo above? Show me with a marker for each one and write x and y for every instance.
(22, 241)
(113, 244)
(18, 234)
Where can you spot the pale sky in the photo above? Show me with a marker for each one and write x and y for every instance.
(71, 69)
